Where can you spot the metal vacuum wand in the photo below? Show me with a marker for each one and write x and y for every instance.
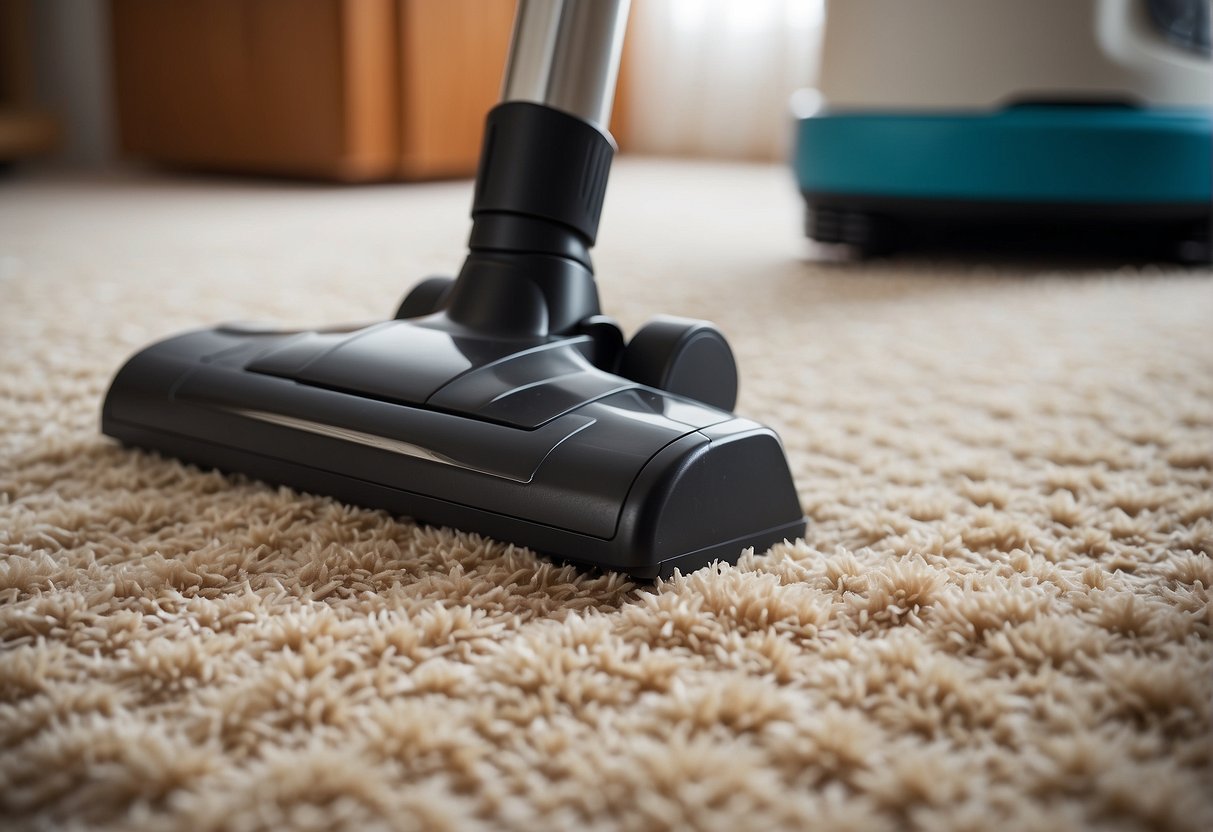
(565, 54)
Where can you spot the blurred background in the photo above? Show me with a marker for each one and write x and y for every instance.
(1083, 124)
(359, 90)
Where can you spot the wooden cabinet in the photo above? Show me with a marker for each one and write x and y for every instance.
(352, 90)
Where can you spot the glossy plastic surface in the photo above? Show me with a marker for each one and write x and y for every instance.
(1031, 154)
(684, 356)
(523, 440)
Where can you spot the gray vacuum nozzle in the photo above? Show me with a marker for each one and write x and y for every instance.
(565, 54)
(503, 401)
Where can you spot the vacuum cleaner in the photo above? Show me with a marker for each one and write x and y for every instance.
(1080, 125)
(502, 402)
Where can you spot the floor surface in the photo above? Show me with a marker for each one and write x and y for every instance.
(999, 617)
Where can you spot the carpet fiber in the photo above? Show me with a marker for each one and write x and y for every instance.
(999, 618)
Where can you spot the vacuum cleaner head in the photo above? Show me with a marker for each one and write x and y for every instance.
(1084, 126)
(522, 439)
(502, 402)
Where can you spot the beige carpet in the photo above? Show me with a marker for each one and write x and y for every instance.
(999, 619)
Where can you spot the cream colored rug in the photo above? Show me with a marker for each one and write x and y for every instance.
(999, 618)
